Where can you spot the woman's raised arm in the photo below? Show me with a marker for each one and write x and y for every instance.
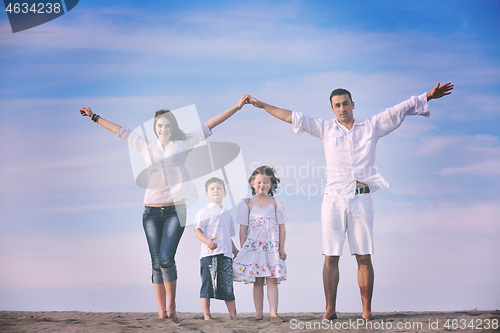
(220, 118)
(109, 125)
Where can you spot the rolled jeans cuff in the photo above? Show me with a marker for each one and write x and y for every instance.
(164, 274)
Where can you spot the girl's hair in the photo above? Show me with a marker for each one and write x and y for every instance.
(266, 171)
(177, 133)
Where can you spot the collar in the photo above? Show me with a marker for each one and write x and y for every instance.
(216, 206)
(342, 127)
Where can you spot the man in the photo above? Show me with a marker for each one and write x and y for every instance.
(351, 177)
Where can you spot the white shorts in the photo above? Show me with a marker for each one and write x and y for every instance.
(341, 216)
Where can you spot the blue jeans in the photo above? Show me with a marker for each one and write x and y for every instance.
(217, 277)
(163, 227)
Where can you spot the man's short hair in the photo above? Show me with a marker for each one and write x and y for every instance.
(215, 180)
(340, 92)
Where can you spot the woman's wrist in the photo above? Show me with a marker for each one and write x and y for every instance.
(95, 118)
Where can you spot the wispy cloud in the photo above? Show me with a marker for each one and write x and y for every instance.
(485, 168)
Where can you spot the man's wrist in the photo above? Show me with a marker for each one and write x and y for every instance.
(429, 96)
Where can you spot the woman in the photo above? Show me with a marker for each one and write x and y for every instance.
(168, 191)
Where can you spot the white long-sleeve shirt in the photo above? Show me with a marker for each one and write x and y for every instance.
(166, 177)
(350, 154)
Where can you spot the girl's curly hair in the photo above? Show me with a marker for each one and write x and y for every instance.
(266, 171)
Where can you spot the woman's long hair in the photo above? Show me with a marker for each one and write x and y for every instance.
(177, 133)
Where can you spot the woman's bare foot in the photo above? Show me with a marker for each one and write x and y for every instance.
(172, 316)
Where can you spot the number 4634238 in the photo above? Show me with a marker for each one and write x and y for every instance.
(36, 8)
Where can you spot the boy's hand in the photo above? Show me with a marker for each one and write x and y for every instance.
(282, 254)
(210, 243)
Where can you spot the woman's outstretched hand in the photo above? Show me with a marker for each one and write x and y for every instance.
(86, 112)
(243, 100)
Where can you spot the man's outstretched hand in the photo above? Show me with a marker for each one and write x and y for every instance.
(440, 91)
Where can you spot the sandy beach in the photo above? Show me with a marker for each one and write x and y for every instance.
(74, 321)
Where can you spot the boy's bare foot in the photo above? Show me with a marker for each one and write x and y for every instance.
(233, 316)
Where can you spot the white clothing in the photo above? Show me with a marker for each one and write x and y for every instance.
(350, 155)
(259, 256)
(215, 221)
(351, 216)
(167, 177)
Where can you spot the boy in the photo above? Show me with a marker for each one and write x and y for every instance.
(214, 226)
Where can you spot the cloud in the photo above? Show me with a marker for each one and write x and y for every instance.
(485, 168)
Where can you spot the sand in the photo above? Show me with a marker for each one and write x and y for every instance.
(73, 321)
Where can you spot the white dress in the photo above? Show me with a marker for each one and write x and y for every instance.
(259, 256)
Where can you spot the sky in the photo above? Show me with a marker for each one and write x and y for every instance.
(70, 212)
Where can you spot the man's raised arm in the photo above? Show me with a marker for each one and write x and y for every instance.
(283, 114)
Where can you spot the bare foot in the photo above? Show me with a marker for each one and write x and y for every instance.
(233, 316)
(367, 316)
(330, 316)
(207, 317)
(172, 316)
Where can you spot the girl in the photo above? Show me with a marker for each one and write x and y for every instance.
(261, 259)
(168, 191)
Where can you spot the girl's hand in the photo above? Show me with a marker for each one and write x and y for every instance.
(86, 112)
(282, 254)
(235, 253)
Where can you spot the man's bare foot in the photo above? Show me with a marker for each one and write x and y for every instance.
(233, 316)
(367, 316)
(330, 316)
(207, 317)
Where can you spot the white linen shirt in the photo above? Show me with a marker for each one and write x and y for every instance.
(167, 178)
(215, 221)
(350, 154)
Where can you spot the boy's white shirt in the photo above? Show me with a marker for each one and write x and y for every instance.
(215, 221)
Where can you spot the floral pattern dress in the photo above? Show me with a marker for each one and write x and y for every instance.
(259, 256)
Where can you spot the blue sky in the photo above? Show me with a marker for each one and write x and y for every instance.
(71, 235)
